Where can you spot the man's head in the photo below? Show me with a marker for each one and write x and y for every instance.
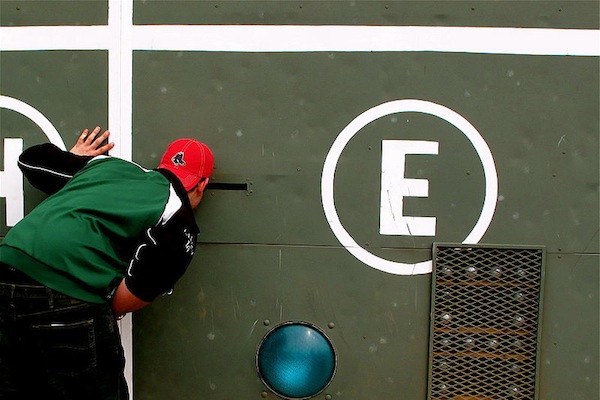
(192, 162)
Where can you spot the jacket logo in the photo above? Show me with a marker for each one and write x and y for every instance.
(190, 244)
(178, 159)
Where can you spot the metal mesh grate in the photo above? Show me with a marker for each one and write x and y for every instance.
(485, 316)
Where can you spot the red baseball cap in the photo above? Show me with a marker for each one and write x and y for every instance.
(190, 160)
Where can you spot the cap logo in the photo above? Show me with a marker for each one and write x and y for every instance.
(178, 159)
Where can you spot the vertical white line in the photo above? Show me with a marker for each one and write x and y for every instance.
(120, 20)
(114, 73)
(126, 328)
(120, 58)
(126, 84)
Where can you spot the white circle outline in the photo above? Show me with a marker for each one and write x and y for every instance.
(34, 115)
(393, 107)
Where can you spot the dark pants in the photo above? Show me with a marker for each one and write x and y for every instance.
(56, 347)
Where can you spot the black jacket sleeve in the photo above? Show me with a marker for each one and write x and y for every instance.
(163, 256)
(49, 168)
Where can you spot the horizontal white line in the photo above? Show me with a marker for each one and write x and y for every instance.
(287, 38)
(308, 38)
(54, 38)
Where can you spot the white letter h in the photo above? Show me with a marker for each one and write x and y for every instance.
(11, 181)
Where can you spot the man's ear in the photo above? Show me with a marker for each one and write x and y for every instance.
(203, 183)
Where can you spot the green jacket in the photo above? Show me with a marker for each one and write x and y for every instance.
(106, 219)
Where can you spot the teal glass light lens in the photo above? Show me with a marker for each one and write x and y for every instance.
(296, 360)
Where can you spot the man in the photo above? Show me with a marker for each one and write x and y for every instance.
(110, 238)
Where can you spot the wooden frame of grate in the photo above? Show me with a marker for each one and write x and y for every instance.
(485, 322)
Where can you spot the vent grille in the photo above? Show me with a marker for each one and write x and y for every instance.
(485, 319)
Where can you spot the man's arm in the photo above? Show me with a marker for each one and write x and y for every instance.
(160, 261)
(124, 301)
(49, 168)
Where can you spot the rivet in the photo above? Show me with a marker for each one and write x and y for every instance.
(328, 397)
(471, 271)
(514, 390)
(267, 322)
(264, 394)
(469, 343)
(331, 325)
(446, 318)
(518, 320)
(518, 296)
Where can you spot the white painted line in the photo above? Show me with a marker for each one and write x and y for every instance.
(294, 38)
(33, 38)
(120, 77)
(309, 38)
(35, 116)
(120, 115)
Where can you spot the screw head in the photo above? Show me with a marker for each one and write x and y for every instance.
(471, 271)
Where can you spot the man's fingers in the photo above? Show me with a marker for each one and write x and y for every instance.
(105, 148)
(101, 138)
(90, 138)
(83, 136)
(92, 144)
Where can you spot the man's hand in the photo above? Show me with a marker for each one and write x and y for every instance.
(90, 145)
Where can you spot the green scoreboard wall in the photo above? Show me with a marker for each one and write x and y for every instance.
(360, 133)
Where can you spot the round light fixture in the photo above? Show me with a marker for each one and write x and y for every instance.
(296, 360)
